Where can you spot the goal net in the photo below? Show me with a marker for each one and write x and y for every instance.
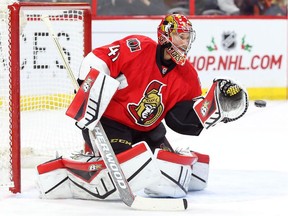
(35, 89)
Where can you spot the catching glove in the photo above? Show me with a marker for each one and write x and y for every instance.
(225, 101)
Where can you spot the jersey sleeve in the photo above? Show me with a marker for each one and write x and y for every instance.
(183, 119)
(107, 59)
(120, 53)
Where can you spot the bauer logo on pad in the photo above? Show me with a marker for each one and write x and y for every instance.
(87, 84)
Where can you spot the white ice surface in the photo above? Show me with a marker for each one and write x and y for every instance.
(248, 174)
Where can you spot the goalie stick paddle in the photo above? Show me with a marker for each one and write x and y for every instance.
(101, 142)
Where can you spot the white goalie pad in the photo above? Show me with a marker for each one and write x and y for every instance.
(54, 184)
(92, 99)
(175, 174)
(66, 178)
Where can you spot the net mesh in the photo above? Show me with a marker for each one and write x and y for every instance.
(45, 88)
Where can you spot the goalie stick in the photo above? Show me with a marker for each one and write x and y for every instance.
(101, 142)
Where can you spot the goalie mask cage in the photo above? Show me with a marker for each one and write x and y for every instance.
(35, 90)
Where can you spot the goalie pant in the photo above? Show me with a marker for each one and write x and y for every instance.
(164, 174)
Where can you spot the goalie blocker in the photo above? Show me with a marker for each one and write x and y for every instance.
(92, 99)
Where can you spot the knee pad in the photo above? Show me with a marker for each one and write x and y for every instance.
(175, 174)
(199, 172)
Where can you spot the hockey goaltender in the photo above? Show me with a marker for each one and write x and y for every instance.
(129, 87)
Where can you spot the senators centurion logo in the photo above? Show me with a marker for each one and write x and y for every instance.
(150, 107)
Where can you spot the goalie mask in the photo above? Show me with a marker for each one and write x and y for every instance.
(175, 32)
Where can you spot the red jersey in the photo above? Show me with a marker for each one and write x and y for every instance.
(146, 92)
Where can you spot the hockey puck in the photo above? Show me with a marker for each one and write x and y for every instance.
(260, 103)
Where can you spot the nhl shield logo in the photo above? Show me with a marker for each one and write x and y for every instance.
(229, 40)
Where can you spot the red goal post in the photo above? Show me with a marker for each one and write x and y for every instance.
(35, 89)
